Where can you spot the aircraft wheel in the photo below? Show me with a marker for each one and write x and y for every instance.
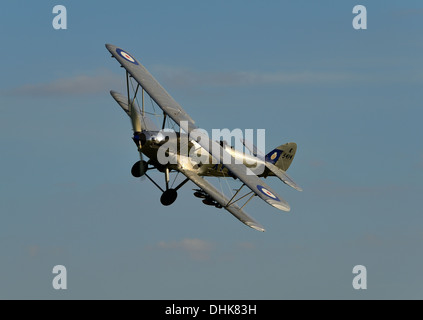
(136, 170)
(168, 197)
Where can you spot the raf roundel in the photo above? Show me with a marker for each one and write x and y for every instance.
(126, 56)
(267, 192)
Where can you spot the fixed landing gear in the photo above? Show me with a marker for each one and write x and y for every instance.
(139, 168)
(168, 197)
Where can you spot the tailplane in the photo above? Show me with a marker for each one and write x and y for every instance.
(278, 161)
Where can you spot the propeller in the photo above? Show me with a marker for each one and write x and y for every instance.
(138, 139)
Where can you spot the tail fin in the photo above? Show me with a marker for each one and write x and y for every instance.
(283, 155)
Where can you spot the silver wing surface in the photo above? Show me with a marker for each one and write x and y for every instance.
(222, 200)
(177, 114)
(151, 86)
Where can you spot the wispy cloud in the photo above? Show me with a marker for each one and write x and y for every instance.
(197, 249)
(325, 187)
(249, 246)
(317, 163)
(98, 81)
(35, 250)
(183, 77)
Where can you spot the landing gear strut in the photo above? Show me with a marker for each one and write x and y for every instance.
(170, 194)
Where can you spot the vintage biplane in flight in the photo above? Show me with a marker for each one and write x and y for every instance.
(149, 139)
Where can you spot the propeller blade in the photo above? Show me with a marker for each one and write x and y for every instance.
(135, 119)
(136, 126)
(143, 167)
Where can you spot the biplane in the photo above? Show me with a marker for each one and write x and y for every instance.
(150, 141)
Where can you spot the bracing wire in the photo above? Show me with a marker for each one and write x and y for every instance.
(136, 98)
(154, 113)
(227, 183)
(174, 180)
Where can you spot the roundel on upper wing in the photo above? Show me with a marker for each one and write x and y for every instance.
(274, 155)
(267, 192)
(126, 56)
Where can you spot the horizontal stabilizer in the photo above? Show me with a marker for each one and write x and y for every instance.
(275, 157)
(283, 176)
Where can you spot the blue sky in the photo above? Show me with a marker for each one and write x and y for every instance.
(351, 100)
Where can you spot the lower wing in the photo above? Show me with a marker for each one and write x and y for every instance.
(222, 200)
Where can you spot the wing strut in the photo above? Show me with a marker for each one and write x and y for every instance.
(252, 196)
(135, 95)
(167, 172)
(143, 113)
(164, 120)
(127, 88)
(232, 201)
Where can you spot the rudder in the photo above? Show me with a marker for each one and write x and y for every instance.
(283, 155)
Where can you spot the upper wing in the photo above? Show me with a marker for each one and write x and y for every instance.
(253, 149)
(177, 114)
(222, 200)
(151, 86)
